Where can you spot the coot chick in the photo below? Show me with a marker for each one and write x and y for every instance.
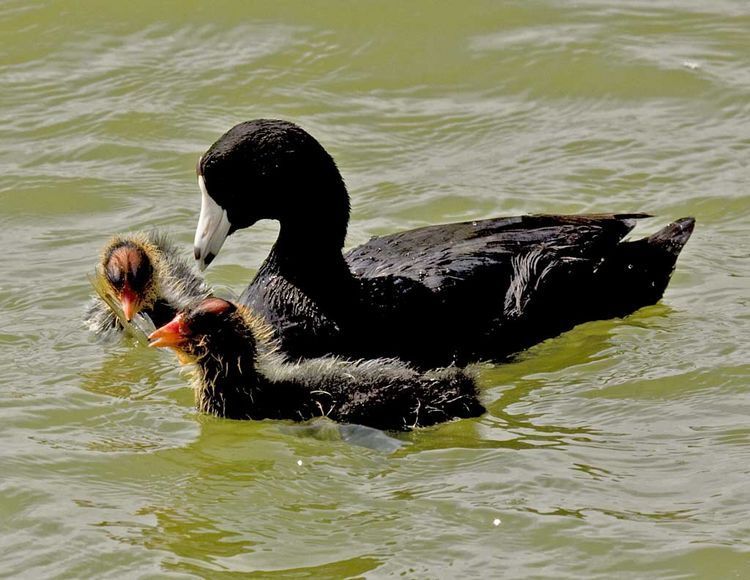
(240, 376)
(141, 272)
(435, 295)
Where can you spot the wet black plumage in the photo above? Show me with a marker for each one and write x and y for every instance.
(151, 270)
(434, 295)
(240, 376)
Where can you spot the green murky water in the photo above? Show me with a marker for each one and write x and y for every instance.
(619, 449)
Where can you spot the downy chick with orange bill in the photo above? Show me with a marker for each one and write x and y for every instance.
(239, 375)
(141, 273)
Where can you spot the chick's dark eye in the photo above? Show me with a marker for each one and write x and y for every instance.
(198, 321)
(115, 277)
(140, 274)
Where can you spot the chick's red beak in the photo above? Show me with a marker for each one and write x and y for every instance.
(173, 334)
(129, 302)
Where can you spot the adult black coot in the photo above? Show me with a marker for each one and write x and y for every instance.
(141, 272)
(240, 376)
(434, 295)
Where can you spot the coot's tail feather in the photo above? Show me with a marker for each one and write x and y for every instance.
(674, 236)
(638, 272)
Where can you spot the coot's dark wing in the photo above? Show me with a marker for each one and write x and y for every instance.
(439, 256)
(490, 287)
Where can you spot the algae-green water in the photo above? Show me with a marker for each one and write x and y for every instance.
(620, 449)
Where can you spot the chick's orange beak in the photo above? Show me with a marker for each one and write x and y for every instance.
(171, 334)
(129, 302)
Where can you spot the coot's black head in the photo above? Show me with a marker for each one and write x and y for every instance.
(268, 169)
(128, 271)
(214, 328)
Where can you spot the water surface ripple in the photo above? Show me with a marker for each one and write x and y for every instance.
(618, 449)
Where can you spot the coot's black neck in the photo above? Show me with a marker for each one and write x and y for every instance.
(312, 233)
